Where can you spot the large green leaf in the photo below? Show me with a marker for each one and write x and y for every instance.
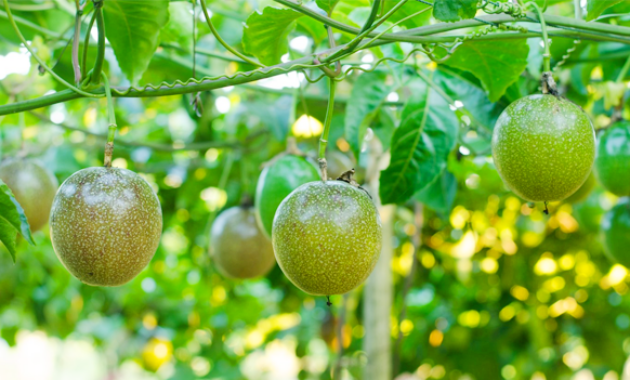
(12, 220)
(454, 10)
(439, 195)
(368, 94)
(132, 28)
(265, 34)
(420, 146)
(497, 64)
(326, 5)
(596, 7)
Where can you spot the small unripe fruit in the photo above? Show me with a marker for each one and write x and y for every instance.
(584, 191)
(278, 180)
(327, 237)
(616, 230)
(34, 188)
(543, 147)
(612, 164)
(238, 246)
(105, 225)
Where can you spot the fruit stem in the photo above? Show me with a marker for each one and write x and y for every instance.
(100, 52)
(328, 301)
(75, 44)
(111, 118)
(545, 36)
(546, 211)
(323, 140)
(86, 45)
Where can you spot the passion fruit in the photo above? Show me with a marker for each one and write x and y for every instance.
(327, 237)
(238, 246)
(616, 231)
(584, 191)
(612, 164)
(543, 147)
(278, 180)
(33, 186)
(105, 225)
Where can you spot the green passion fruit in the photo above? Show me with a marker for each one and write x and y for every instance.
(105, 225)
(584, 191)
(33, 186)
(543, 147)
(238, 246)
(278, 180)
(612, 164)
(327, 237)
(616, 230)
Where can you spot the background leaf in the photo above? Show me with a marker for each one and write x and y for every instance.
(496, 64)
(132, 28)
(265, 35)
(454, 10)
(596, 7)
(12, 220)
(439, 195)
(8, 234)
(408, 9)
(420, 146)
(326, 5)
(368, 94)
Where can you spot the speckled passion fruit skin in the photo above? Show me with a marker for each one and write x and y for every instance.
(33, 186)
(612, 164)
(543, 147)
(276, 182)
(616, 232)
(327, 237)
(105, 225)
(238, 246)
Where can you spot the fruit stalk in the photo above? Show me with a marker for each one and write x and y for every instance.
(75, 44)
(100, 53)
(323, 140)
(111, 117)
(545, 37)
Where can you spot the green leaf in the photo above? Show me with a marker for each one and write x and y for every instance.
(8, 234)
(12, 220)
(326, 5)
(596, 7)
(482, 112)
(265, 34)
(497, 64)
(368, 94)
(439, 195)
(410, 8)
(420, 146)
(132, 28)
(454, 10)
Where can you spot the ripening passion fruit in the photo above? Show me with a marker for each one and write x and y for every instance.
(543, 147)
(612, 164)
(33, 186)
(278, 180)
(616, 231)
(238, 246)
(327, 237)
(105, 225)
